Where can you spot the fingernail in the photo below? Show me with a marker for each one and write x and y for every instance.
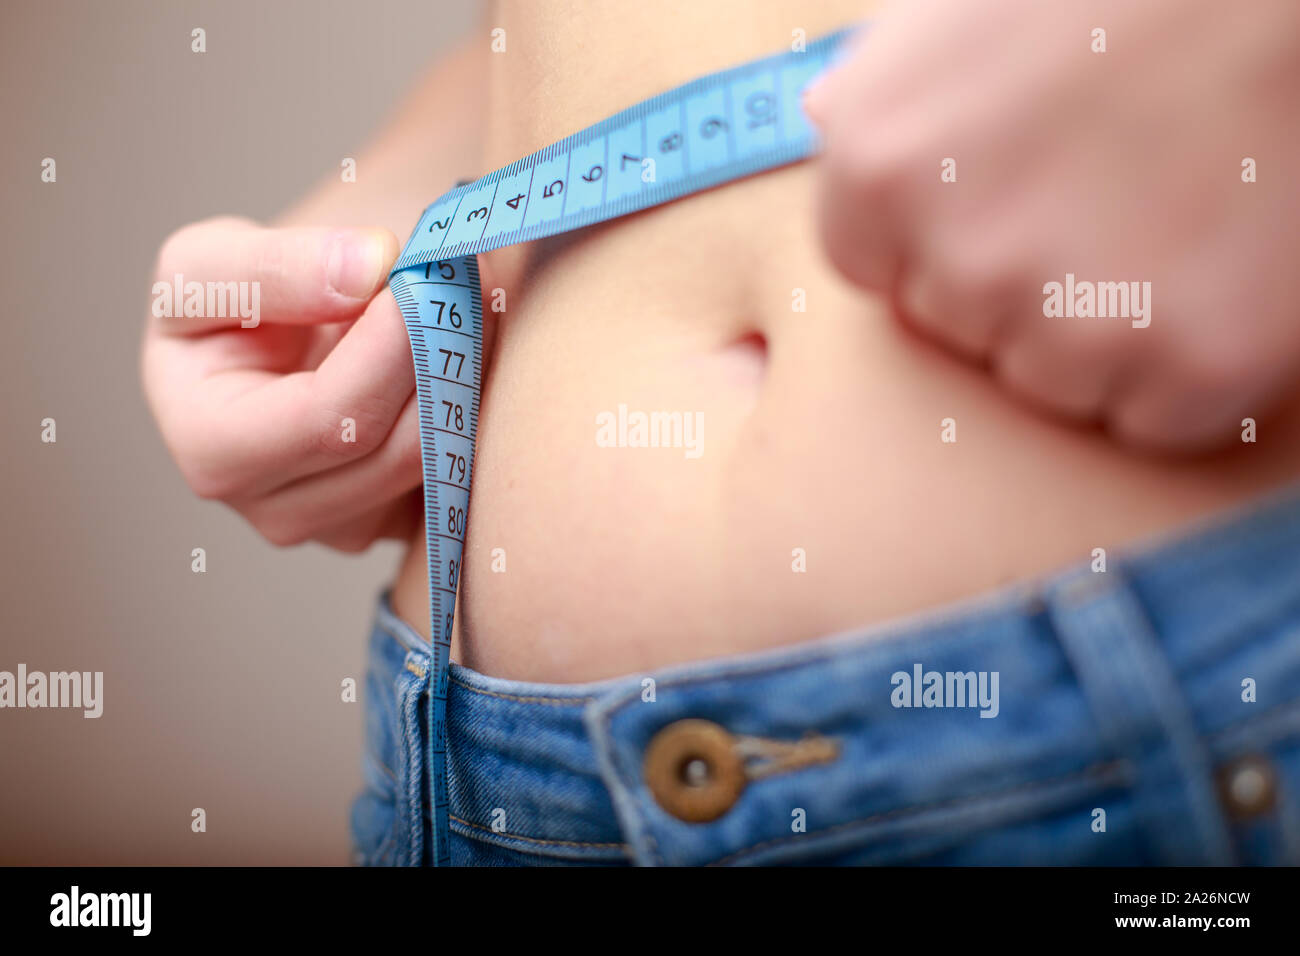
(817, 89)
(813, 95)
(356, 264)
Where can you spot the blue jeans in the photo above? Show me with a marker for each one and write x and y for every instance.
(1145, 714)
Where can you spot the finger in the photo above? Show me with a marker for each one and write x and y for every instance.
(243, 433)
(966, 291)
(1065, 370)
(1202, 391)
(398, 520)
(229, 272)
(300, 510)
(1160, 413)
(823, 89)
(858, 185)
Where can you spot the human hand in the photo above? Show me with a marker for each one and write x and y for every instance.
(300, 411)
(1124, 166)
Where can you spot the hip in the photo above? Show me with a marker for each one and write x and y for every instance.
(1146, 714)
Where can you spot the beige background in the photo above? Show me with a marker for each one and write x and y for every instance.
(222, 690)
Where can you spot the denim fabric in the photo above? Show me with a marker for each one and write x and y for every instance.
(1120, 691)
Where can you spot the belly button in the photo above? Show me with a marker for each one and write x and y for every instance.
(746, 358)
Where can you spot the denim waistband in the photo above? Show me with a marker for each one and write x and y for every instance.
(1140, 691)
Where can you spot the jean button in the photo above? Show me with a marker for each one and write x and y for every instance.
(1248, 787)
(693, 770)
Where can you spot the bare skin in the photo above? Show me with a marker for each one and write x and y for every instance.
(826, 437)
(821, 428)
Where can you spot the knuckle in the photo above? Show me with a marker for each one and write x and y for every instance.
(210, 485)
(1023, 375)
(1168, 417)
(208, 481)
(1136, 429)
(199, 459)
(280, 527)
(1217, 364)
(1153, 423)
(351, 541)
(284, 538)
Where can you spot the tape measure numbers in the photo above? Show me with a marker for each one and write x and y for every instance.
(718, 128)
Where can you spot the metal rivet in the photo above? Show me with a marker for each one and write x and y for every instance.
(693, 770)
(696, 773)
(1248, 787)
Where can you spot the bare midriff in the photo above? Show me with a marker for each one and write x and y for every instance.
(819, 495)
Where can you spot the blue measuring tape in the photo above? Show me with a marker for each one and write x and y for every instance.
(721, 127)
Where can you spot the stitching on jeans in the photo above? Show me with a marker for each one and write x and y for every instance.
(1101, 768)
(918, 636)
(378, 762)
(1201, 545)
(1242, 726)
(513, 836)
(654, 849)
(616, 757)
(527, 839)
(558, 701)
(383, 626)
(385, 845)
(414, 668)
(1251, 723)
(654, 846)
(940, 627)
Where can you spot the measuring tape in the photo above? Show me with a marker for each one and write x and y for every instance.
(721, 127)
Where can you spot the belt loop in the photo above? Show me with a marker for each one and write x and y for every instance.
(412, 681)
(1142, 714)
